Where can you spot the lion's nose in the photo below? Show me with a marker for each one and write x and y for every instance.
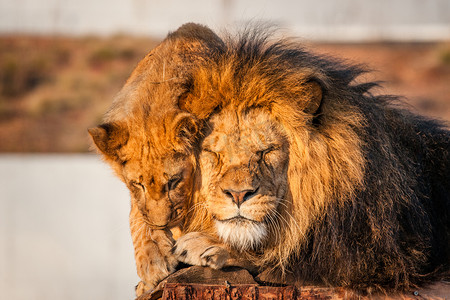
(240, 197)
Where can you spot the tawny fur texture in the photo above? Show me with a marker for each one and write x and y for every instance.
(151, 145)
(305, 171)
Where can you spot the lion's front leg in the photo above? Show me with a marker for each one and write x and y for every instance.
(200, 249)
(152, 251)
(154, 259)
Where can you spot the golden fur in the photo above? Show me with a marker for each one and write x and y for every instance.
(364, 199)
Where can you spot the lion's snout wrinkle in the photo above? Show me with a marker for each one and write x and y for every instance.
(239, 178)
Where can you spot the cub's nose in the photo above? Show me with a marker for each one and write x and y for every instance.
(240, 197)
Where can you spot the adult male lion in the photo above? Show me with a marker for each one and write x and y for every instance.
(305, 171)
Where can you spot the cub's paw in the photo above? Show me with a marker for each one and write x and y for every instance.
(154, 260)
(199, 249)
(164, 242)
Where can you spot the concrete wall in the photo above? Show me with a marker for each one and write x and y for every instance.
(320, 20)
(64, 230)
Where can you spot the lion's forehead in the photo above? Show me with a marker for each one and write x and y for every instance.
(251, 132)
(159, 168)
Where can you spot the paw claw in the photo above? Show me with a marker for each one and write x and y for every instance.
(200, 250)
(214, 257)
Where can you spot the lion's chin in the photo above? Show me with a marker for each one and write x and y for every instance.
(241, 233)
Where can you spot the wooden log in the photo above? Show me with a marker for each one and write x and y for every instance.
(234, 283)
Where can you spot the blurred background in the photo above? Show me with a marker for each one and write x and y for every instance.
(63, 215)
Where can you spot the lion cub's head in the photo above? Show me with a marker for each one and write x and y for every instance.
(244, 175)
(155, 160)
(147, 139)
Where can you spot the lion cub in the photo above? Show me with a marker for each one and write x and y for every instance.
(151, 145)
(154, 159)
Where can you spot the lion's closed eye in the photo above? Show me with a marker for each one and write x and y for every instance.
(215, 157)
(267, 153)
(174, 181)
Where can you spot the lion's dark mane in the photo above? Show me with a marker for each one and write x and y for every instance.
(395, 231)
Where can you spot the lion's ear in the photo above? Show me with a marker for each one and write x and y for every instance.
(110, 137)
(313, 94)
(185, 128)
(197, 32)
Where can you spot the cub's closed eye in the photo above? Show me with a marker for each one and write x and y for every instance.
(138, 185)
(208, 150)
(174, 181)
(212, 153)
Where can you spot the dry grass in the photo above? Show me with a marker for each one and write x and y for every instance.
(53, 89)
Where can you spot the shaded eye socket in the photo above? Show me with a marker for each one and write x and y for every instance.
(174, 181)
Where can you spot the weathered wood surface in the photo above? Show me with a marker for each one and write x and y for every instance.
(205, 283)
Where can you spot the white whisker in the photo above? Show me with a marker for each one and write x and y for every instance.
(301, 231)
(195, 206)
(275, 226)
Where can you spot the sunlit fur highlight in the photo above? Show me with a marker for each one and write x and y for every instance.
(359, 212)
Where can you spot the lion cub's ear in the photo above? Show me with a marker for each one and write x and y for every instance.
(185, 129)
(110, 137)
(313, 93)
